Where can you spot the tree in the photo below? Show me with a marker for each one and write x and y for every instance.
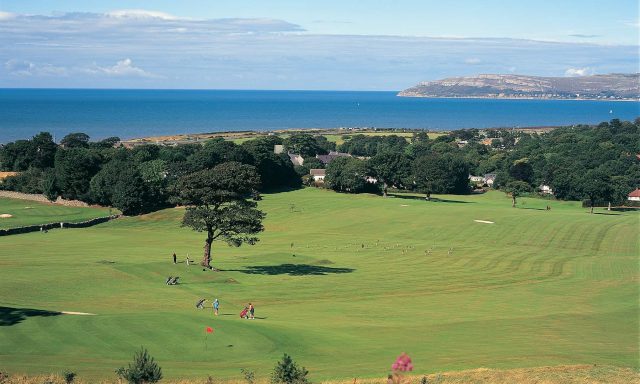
(596, 186)
(75, 140)
(521, 170)
(445, 173)
(217, 202)
(74, 169)
(391, 168)
(517, 188)
(109, 142)
(287, 371)
(142, 370)
(347, 174)
(305, 145)
(43, 150)
(120, 184)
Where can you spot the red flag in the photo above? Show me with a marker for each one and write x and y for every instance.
(209, 330)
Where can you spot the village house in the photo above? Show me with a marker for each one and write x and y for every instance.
(545, 189)
(634, 196)
(278, 149)
(326, 159)
(296, 159)
(476, 179)
(318, 174)
(489, 179)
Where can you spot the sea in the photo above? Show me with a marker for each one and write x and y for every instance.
(102, 113)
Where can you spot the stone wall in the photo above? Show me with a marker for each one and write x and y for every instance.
(48, 226)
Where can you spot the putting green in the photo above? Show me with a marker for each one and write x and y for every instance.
(343, 283)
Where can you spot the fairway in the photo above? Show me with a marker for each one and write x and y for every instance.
(343, 283)
(25, 212)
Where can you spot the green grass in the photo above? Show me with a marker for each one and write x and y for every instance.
(537, 288)
(27, 212)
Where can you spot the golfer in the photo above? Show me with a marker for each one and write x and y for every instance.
(251, 310)
(216, 306)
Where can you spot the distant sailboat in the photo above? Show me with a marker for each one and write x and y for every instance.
(610, 111)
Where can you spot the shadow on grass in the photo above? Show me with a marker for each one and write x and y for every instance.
(433, 199)
(292, 270)
(12, 316)
(607, 214)
(536, 209)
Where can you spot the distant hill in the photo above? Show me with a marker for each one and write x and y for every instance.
(610, 87)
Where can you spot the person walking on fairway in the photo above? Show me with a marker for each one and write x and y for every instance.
(216, 306)
(251, 310)
(175, 258)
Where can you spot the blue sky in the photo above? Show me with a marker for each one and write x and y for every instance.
(297, 44)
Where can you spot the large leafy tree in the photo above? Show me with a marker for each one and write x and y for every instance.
(391, 168)
(75, 140)
(445, 173)
(74, 169)
(596, 186)
(218, 203)
(517, 188)
(347, 174)
(306, 145)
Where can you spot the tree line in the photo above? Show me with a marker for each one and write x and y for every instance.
(598, 164)
(136, 180)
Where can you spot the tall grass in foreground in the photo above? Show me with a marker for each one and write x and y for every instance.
(571, 374)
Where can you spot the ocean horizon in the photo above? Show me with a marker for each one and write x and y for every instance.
(132, 113)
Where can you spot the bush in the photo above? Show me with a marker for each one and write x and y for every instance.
(249, 375)
(68, 376)
(287, 371)
(142, 370)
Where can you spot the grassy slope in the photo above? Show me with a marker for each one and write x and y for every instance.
(535, 288)
(30, 212)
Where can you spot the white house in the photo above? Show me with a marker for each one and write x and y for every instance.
(546, 189)
(634, 196)
(489, 178)
(318, 174)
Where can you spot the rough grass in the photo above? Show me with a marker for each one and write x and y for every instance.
(27, 212)
(573, 374)
(358, 287)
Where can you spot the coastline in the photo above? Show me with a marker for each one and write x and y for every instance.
(197, 138)
(418, 96)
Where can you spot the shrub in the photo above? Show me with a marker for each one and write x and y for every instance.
(142, 370)
(68, 376)
(287, 371)
(249, 375)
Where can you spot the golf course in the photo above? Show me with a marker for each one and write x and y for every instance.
(343, 283)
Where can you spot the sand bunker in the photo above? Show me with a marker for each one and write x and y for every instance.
(404, 205)
(484, 221)
(77, 313)
(5, 216)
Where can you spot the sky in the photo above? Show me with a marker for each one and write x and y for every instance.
(298, 44)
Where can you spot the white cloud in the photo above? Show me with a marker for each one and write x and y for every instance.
(473, 60)
(577, 72)
(6, 15)
(140, 14)
(27, 68)
(123, 68)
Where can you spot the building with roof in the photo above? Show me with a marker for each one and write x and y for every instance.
(326, 159)
(634, 196)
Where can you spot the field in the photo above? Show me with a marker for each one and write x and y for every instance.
(343, 283)
(26, 212)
